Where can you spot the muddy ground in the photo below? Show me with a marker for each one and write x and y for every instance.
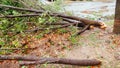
(96, 43)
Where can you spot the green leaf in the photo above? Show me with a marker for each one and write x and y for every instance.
(2, 43)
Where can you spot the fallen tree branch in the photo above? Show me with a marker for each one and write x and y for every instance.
(13, 48)
(55, 23)
(21, 9)
(92, 62)
(31, 15)
(53, 28)
(16, 48)
(83, 30)
(29, 60)
(24, 58)
(86, 21)
(62, 26)
(23, 15)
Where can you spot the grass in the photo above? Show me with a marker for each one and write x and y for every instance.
(110, 23)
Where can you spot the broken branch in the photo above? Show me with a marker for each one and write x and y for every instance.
(83, 30)
(92, 62)
(21, 9)
(62, 26)
(86, 21)
(36, 60)
(23, 15)
(13, 48)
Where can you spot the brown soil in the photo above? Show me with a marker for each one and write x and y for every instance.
(105, 46)
(94, 44)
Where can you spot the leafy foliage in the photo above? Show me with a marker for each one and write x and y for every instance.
(13, 30)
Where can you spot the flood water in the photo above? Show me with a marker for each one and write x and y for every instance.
(91, 9)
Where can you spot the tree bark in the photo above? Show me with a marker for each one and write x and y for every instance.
(117, 18)
(32, 60)
(91, 62)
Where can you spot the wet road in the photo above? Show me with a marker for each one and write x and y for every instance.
(91, 9)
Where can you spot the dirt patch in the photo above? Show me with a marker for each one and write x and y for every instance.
(50, 45)
(98, 44)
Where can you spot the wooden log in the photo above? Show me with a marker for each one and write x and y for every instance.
(32, 60)
(85, 62)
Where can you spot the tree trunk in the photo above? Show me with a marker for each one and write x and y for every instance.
(117, 18)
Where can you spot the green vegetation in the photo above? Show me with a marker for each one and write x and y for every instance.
(13, 30)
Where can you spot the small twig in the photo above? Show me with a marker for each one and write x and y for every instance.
(23, 15)
(71, 21)
(83, 30)
(55, 23)
(13, 48)
(54, 28)
(17, 48)
(24, 58)
(21, 9)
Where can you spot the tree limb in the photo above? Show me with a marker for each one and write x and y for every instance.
(21, 9)
(31, 15)
(83, 30)
(24, 58)
(23, 15)
(91, 62)
(30, 60)
(86, 21)
(13, 48)
(62, 26)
